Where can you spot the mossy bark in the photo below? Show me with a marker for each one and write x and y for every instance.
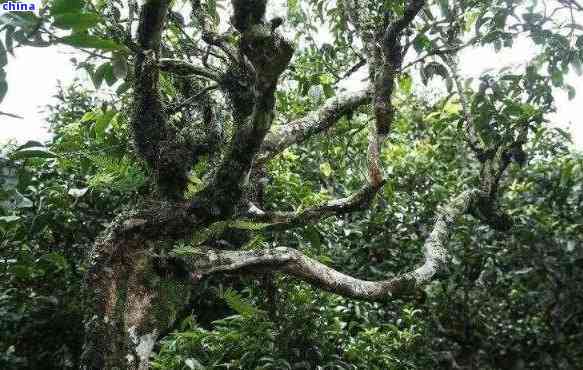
(132, 305)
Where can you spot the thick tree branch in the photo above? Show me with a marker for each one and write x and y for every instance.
(268, 54)
(494, 163)
(387, 57)
(395, 29)
(298, 131)
(148, 119)
(388, 64)
(294, 263)
(497, 160)
(210, 34)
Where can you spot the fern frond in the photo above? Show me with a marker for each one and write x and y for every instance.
(239, 304)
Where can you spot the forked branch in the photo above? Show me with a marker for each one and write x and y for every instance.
(293, 262)
(389, 57)
(268, 54)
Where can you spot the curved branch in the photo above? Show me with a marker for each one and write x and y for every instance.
(388, 64)
(356, 201)
(298, 131)
(294, 263)
(210, 34)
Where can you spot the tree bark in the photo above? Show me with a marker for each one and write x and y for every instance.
(132, 303)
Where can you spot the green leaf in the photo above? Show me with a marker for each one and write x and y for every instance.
(99, 74)
(89, 116)
(326, 169)
(326, 79)
(76, 21)
(57, 259)
(212, 11)
(33, 152)
(557, 78)
(406, 83)
(123, 87)
(9, 39)
(104, 72)
(328, 91)
(20, 201)
(293, 6)
(88, 41)
(27, 21)
(444, 7)
(101, 124)
(470, 20)
(421, 43)
(313, 236)
(239, 304)
(109, 76)
(575, 62)
(30, 144)
(193, 364)
(66, 6)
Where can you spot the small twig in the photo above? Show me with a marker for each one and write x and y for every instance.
(439, 52)
(352, 70)
(183, 68)
(190, 100)
(472, 136)
(10, 115)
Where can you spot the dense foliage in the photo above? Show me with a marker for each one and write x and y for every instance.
(509, 299)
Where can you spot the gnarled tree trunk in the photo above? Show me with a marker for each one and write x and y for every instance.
(135, 297)
(134, 301)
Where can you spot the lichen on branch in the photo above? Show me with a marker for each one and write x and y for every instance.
(292, 262)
